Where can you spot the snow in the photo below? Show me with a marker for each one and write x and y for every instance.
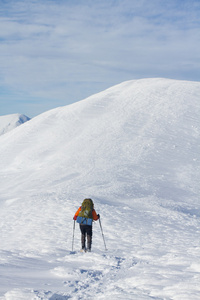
(134, 149)
(10, 122)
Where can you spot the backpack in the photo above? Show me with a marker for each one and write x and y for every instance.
(86, 209)
(85, 215)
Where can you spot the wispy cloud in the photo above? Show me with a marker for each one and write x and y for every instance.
(62, 51)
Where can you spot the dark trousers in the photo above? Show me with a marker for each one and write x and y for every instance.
(86, 230)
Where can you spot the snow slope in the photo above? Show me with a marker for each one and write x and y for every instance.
(10, 122)
(134, 149)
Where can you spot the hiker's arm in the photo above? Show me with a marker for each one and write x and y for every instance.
(76, 214)
(94, 215)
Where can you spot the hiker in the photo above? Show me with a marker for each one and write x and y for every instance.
(85, 216)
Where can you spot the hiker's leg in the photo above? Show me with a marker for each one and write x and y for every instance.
(83, 234)
(89, 237)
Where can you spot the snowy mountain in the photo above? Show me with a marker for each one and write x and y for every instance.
(134, 149)
(9, 122)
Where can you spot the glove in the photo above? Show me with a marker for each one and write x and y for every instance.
(74, 218)
(98, 216)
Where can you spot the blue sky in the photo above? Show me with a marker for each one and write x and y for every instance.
(56, 52)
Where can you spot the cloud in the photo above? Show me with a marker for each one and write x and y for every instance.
(67, 50)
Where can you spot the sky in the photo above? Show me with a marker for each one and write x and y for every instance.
(56, 52)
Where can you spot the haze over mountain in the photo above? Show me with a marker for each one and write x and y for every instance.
(10, 122)
(134, 149)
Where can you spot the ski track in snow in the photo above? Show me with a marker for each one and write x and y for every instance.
(134, 149)
(149, 270)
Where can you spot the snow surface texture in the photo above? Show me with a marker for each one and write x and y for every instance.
(10, 122)
(134, 149)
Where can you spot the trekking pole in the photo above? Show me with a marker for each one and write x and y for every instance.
(73, 236)
(102, 234)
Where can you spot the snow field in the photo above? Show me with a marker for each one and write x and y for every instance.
(148, 269)
(134, 149)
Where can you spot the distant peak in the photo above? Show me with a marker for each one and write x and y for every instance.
(10, 122)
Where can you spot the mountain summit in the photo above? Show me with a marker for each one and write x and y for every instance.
(137, 138)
